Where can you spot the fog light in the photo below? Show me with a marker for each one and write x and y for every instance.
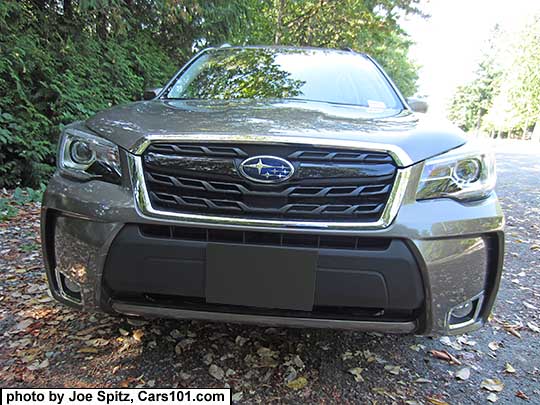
(68, 288)
(71, 285)
(465, 313)
(463, 310)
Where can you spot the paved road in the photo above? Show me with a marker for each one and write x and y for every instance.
(45, 344)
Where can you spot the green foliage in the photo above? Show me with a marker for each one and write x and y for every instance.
(49, 78)
(473, 101)
(255, 75)
(9, 204)
(504, 98)
(368, 26)
(64, 60)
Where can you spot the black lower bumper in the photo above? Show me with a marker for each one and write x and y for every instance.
(355, 278)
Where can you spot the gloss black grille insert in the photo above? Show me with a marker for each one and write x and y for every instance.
(313, 241)
(328, 184)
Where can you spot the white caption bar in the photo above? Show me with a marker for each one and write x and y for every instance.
(67, 396)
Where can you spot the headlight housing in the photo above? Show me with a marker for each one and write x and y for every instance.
(87, 157)
(466, 174)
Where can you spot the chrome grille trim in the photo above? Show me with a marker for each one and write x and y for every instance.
(401, 158)
(145, 209)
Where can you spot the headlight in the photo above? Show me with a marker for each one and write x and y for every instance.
(88, 157)
(465, 173)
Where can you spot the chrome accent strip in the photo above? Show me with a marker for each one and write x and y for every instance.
(372, 326)
(401, 158)
(144, 209)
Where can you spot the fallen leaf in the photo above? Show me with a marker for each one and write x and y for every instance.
(298, 362)
(216, 372)
(175, 334)
(347, 356)
(492, 397)
(392, 369)
(266, 352)
(123, 332)
(208, 358)
(291, 374)
(444, 355)
(529, 305)
(532, 326)
(465, 340)
(445, 340)
(136, 322)
(494, 346)
(492, 384)
(436, 401)
(88, 350)
(522, 395)
(463, 373)
(183, 345)
(356, 372)
(240, 341)
(98, 342)
(138, 334)
(184, 376)
(512, 330)
(237, 396)
(39, 366)
(22, 325)
(297, 384)
(422, 381)
(509, 369)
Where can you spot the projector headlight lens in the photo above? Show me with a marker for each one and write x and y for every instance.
(465, 174)
(86, 157)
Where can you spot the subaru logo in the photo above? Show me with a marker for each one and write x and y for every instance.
(266, 169)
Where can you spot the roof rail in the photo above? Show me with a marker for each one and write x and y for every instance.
(348, 49)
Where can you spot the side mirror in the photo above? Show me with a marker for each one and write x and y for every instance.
(417, 105)
(150, 94)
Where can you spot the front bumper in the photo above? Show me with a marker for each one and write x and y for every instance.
(456, 252)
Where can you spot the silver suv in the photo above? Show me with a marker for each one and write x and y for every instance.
(278, 186)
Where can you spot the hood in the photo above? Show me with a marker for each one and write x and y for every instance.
(128, 125)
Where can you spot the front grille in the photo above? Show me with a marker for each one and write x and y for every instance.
(328, 184)
(314, 241)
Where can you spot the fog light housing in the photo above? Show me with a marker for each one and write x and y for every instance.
(68, 288)
(465, 313)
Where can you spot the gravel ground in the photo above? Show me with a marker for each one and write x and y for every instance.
(44, 344)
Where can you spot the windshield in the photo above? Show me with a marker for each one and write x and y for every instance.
(267, 73)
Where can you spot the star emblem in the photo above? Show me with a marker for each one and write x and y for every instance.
(266, 169)
(259, 166)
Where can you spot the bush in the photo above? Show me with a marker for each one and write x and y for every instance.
(50, 77)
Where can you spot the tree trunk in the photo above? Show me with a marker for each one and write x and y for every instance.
(536, 132)
(101, 24)
(68, 9)
(279, 22)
